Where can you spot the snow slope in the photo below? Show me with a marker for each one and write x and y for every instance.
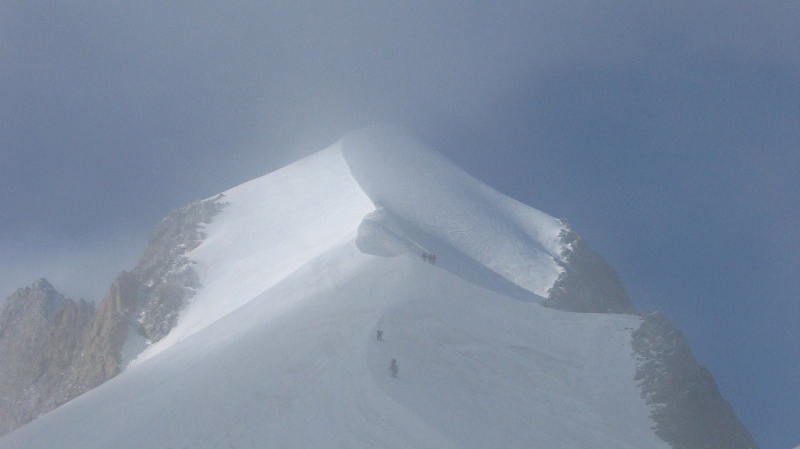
(270, 227)
(450, 211)
(275, 224)
(300, 270)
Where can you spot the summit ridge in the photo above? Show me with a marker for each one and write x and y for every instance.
(375, 295)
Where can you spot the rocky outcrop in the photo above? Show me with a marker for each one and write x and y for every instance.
(41, 342)
(587, 283)
(53, 349)
(686, 405)
(165, 275)
(148, 299)
(103, 346)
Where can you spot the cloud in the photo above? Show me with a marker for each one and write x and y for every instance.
(77, 270)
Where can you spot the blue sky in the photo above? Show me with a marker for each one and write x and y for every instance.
(667, 134)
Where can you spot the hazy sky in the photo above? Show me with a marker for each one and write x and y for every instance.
(667, 133)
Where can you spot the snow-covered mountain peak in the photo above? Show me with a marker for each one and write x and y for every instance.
(375, 295)
(274, 225)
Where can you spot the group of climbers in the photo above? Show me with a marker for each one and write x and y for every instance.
(430, 258)
(426, 257)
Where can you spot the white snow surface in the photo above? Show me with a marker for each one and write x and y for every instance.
(448, 210)
(278, 347)
(275, 224)
(271, 226)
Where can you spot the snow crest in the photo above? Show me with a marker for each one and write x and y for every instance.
(271, 227)
(453, 211)
(390, 194)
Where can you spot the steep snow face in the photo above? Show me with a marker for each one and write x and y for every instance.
(270, 227)
(448, 210)
(273, 225)
(300, 366)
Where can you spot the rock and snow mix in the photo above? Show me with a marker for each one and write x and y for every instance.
(304, 267)
(276, 224)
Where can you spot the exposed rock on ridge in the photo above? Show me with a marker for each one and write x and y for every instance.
(588, 283)
(165, 275)
(147, 300)
(53, 349)
(109, 331)
(686, 405)
(41, 341)
(688, 410)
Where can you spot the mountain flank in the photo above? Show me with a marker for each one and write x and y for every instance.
(42, 335)
(53, 349)
(686, 405)
(685, 402)
(377, 233)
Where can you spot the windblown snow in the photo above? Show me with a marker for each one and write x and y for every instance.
(305, 265)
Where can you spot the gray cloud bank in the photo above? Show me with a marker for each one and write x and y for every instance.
(667, 132)
(77, 269)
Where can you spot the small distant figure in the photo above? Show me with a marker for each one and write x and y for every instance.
(430, 258)
(380, 335)
(393, 368)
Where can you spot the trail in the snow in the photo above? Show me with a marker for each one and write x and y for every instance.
(300, 366)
